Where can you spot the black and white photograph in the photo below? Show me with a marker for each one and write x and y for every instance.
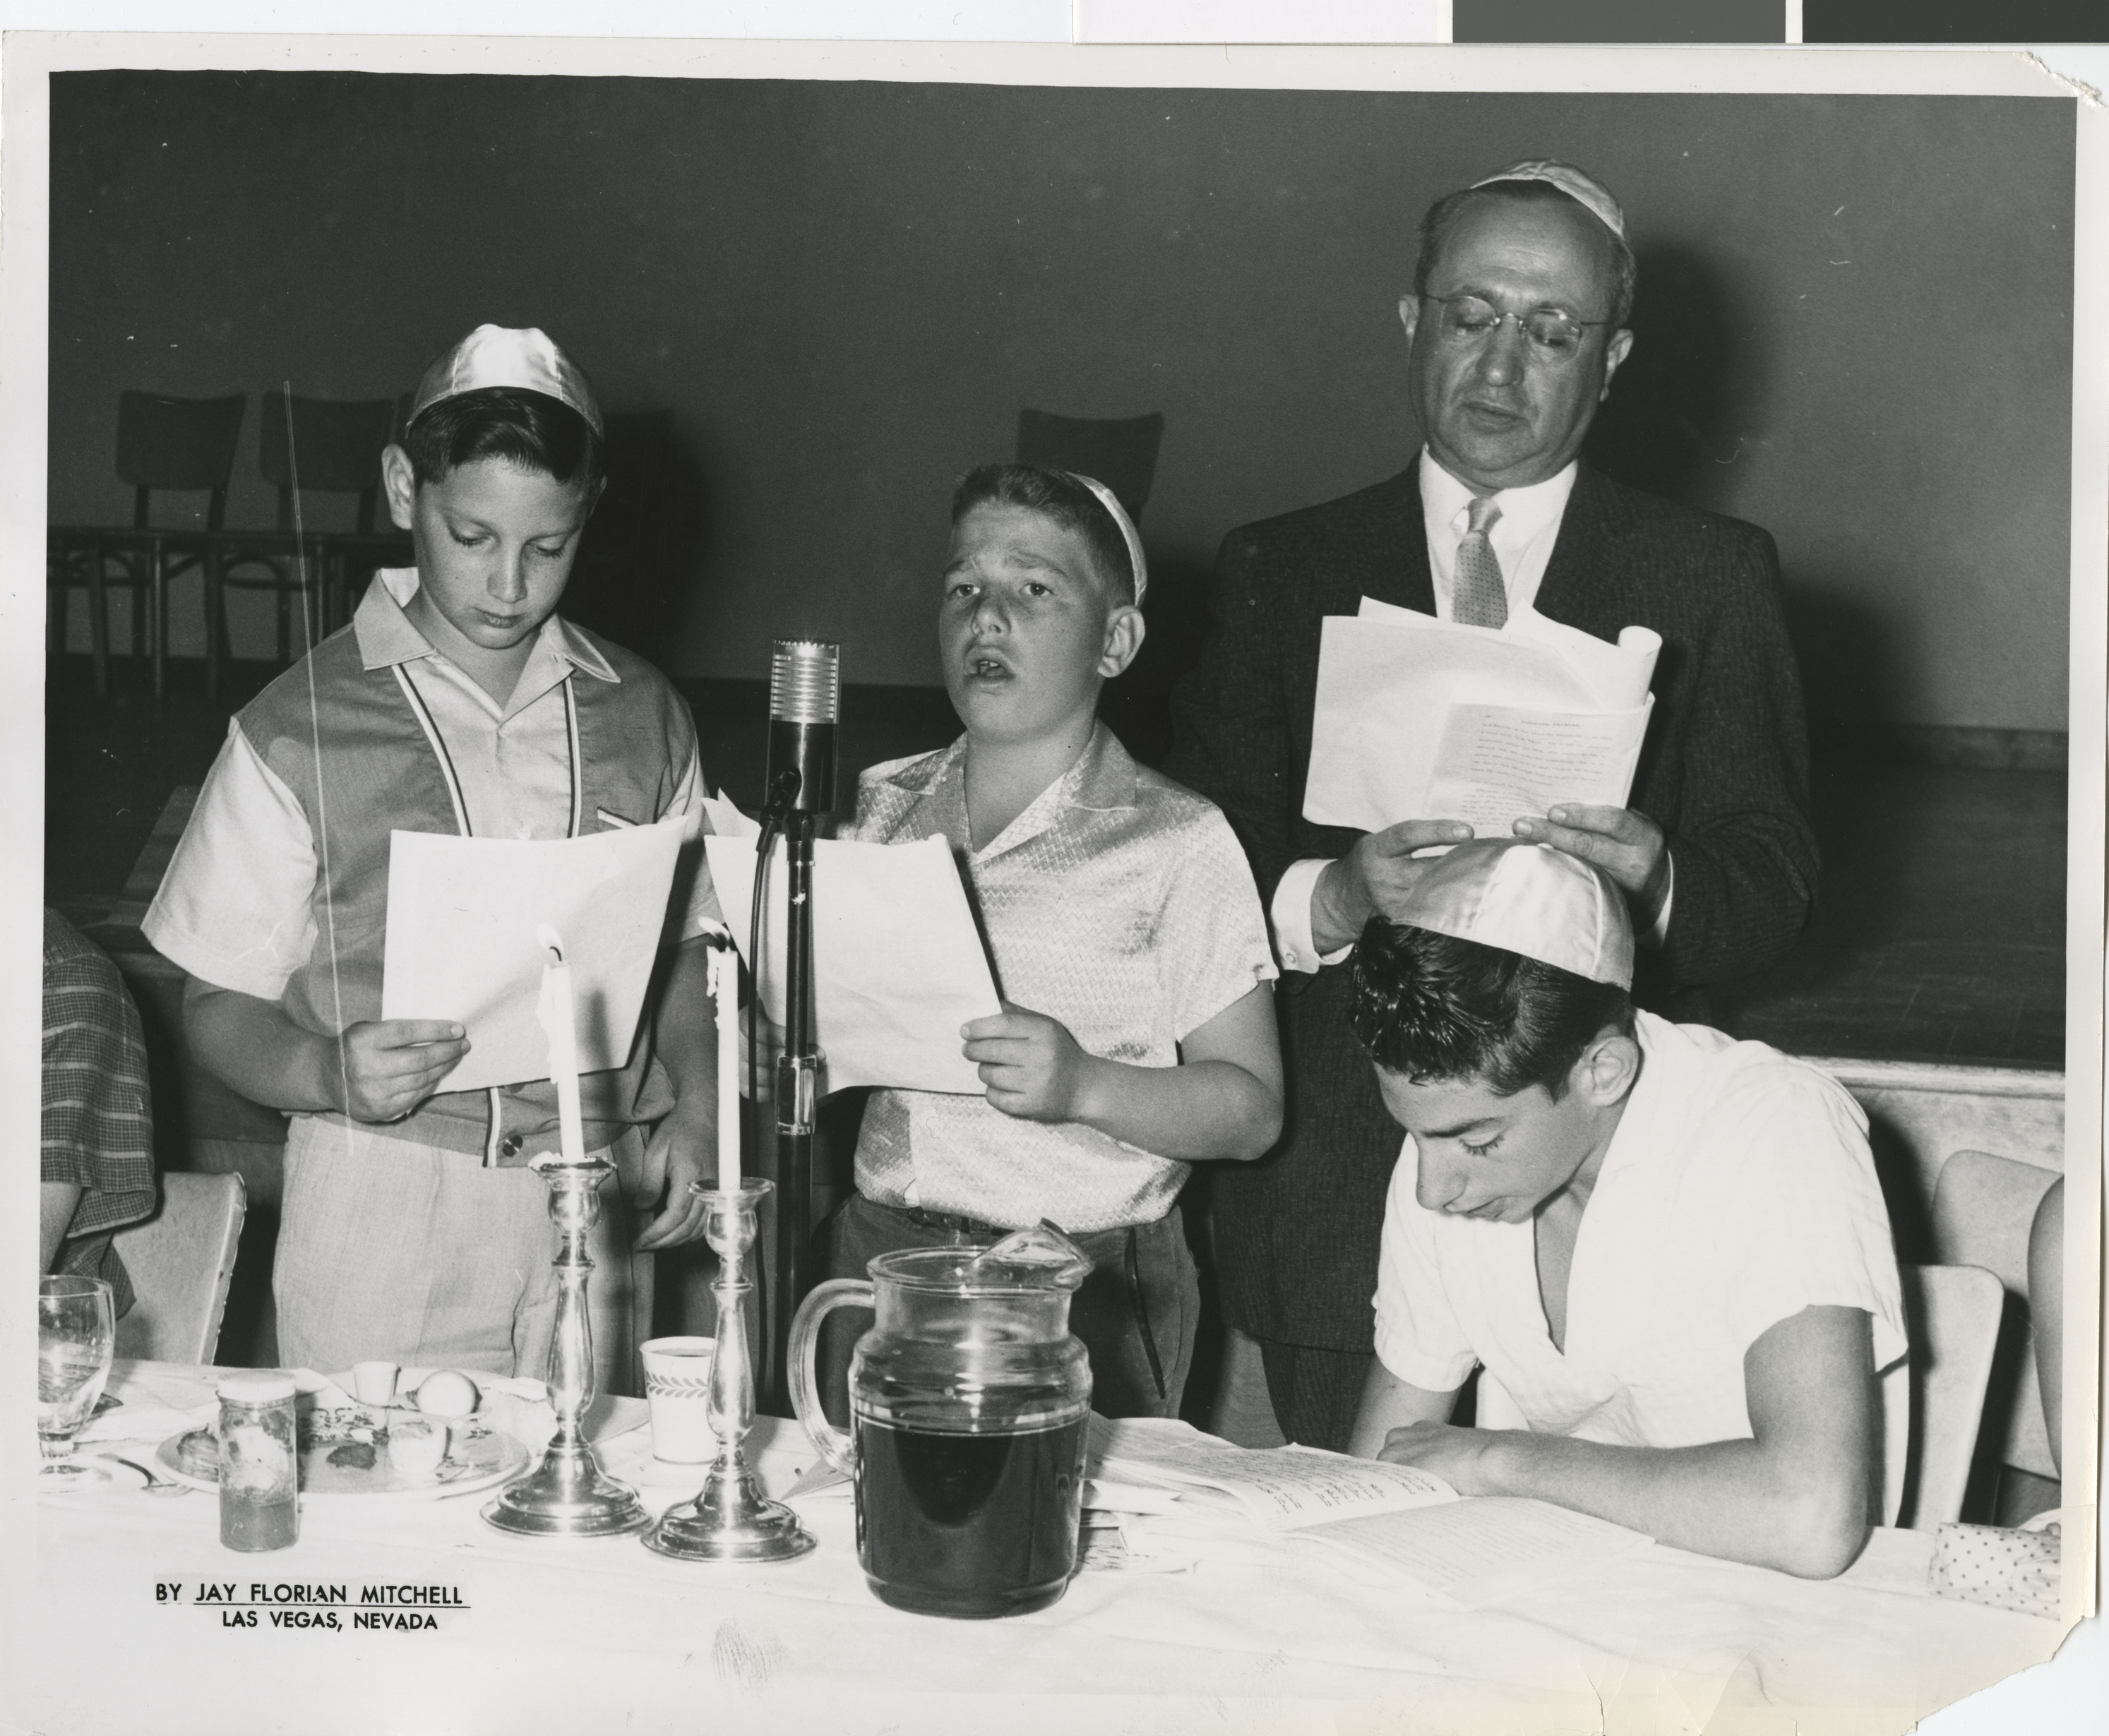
(1484, 1115)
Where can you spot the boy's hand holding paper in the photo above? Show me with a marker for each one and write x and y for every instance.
(463, 914)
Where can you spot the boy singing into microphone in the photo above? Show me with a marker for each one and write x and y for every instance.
(1129, 947)
(457, 701)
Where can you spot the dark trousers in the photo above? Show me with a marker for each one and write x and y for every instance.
(1135, 1314)
(1315, 1392)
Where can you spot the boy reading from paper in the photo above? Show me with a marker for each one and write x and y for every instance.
(1666, 1251)
(1126, 937)
(457, 702)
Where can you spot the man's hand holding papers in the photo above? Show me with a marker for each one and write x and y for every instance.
(1426, 732)
(1626, 844)
(1374, 877)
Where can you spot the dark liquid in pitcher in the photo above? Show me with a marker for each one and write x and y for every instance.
(969, 1525)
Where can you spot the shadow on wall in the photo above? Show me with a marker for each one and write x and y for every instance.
(1848, 651)
(645, 544)
(1700, 363)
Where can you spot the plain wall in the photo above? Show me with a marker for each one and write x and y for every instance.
(1854, 327)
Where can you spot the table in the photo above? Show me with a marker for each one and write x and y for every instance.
(603, 1635)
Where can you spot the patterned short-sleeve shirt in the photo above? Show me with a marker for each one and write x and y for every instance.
(1119, 903)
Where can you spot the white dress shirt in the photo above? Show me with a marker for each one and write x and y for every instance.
(1522, 538)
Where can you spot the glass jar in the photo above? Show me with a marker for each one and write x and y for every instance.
(258, 1462)
(969, 1401)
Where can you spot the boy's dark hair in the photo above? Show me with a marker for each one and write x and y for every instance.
(1435, 1007)
(1061, 497)
(530, 431)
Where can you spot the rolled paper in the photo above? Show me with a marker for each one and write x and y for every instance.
(554, 1012)
(724, 990)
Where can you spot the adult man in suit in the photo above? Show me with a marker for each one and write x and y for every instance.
(1515, 324)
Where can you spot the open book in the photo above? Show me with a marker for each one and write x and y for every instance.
(1178, 1496)
(1419, 719)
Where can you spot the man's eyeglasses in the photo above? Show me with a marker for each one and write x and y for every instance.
(1555, 335)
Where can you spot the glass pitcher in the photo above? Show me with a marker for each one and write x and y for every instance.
(969, 1406)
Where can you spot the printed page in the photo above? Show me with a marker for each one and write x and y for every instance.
(1480, 1551)
(1278, 1489)
(461, 943)
(1498, 763)
(898, 965)
(1389, 679)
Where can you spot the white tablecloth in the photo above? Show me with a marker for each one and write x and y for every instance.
(603, 1636)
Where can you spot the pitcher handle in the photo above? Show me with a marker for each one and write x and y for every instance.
(821, 1300)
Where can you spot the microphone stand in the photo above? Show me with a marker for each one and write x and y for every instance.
(797, 1095)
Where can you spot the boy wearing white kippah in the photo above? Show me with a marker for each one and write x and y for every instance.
(1126, 935)
(1665, 1252)
(457, 701)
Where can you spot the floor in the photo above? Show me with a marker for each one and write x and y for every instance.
(1941, 933)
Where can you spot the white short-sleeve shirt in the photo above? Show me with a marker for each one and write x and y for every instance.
(1738, 1190)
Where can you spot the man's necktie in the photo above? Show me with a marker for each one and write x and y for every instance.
(1480, 599)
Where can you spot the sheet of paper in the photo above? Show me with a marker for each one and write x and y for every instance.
(461, 945)
(1615, 676)
(1277, 1488)
(1497, 764)
(898, 965)
(1484, 1551)
(1389, 680)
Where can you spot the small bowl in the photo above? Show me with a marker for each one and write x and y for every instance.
(416, 1446)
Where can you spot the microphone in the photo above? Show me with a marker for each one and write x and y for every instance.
(804, 699)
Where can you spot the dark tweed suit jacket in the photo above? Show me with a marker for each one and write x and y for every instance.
(1724, 772)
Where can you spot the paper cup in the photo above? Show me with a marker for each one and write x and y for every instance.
(374, 1382)
(677, 1386)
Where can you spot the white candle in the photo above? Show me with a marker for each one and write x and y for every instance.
(724, 989)
(553, 1011)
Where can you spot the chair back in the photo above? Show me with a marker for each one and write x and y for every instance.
(1120, 452)
(177, 443)
(180, 1262)
(335, 448)
(1984, 1207)
(1934, 1401)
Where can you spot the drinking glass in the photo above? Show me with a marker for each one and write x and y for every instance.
(76, 1333)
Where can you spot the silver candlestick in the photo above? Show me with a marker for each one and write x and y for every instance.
(730, 1519)
(568, 1495)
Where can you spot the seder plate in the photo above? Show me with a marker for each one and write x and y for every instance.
(332, 1465)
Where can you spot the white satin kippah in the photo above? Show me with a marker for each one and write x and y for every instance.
(520, 357)
(1530, 899)
(1129, 535)
(1583, 188)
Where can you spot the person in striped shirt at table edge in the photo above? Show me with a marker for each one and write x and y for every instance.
(1129, 948)
(1665, 1252)
(457, 701)
(96, 1171)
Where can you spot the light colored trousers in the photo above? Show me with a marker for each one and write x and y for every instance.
(398, 1251)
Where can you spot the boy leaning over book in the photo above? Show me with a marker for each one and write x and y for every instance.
(1665, 1251)
(1130, 951)
(457, 702)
